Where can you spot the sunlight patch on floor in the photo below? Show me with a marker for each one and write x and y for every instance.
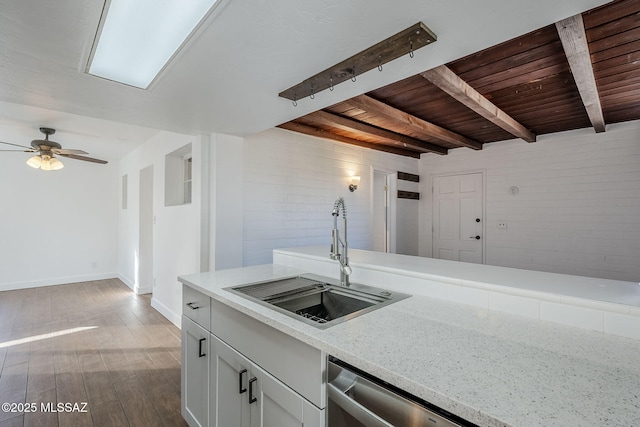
(45, 336)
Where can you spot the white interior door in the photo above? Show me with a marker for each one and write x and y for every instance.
(458, 221)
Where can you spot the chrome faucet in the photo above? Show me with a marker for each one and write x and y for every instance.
(336, 242)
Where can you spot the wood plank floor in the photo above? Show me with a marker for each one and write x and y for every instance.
(94, 344)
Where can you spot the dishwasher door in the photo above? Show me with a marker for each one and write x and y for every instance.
(356, 401)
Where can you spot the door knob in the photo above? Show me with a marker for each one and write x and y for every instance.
(475, 237)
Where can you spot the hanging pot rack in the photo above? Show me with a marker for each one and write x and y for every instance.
(402, 43)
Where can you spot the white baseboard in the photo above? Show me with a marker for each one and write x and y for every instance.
(166, 312)
(139, 290)
(143, 290)
(126, 281)
(57, 281)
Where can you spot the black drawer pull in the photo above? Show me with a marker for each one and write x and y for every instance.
(240, 388)
(193, 305)
(251, 397)
(200, 353)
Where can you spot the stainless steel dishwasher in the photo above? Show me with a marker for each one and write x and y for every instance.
(356, 399)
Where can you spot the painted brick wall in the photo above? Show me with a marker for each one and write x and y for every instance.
(291, 182)
(578, 206)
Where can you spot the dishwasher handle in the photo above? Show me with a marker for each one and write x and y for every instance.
(356, 410)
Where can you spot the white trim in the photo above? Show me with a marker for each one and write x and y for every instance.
(392, 182)
(392, 187)
(174, 318)
(140, 291)
(124, 279)
(57, 281)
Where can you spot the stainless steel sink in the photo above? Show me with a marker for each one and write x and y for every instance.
(317, 300)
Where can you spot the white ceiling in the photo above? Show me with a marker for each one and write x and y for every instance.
(228, 77)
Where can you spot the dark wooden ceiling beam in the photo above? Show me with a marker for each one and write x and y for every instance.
(402, 141)
(373, 106)
(576, 48)
(452, 84)
(309, 130)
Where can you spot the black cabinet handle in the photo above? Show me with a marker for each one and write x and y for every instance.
(240, 388)
(192, 305)
(200, 353)
(475, 237)
(251, 397)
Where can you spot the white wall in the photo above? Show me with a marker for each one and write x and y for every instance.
(291, 182)
(176, 234)
(56, 226)
(578, 206)
(226, 201)
(275, 189)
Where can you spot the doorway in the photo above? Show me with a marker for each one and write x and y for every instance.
(458, 217)
(381, 229)
(145, 236)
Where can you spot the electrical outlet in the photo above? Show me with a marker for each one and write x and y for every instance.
(502, 225)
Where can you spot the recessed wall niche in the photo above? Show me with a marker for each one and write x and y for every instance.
(178, 177)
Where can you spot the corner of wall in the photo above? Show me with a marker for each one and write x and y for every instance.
(173, 317)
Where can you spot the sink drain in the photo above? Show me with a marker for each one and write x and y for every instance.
(311, 316)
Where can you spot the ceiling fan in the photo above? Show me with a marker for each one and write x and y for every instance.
(48, 150)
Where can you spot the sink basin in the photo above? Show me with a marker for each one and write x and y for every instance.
(317, 300)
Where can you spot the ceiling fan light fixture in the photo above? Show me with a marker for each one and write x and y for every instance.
(35, 162)
(46, 165)
(137, 39)
(55, 164)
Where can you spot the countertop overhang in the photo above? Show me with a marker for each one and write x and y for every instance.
(486, 276)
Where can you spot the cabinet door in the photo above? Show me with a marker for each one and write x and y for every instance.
(229, 386)
(195, 374)
(279, 406)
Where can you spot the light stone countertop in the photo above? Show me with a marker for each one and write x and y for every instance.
(491, 368)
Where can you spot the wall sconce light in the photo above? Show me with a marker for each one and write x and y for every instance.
(355, 180)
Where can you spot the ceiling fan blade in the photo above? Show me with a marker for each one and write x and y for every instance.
(65, 151)
(17, 145)
(21, 151)
(86, 159)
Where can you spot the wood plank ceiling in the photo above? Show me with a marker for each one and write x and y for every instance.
(581, 72)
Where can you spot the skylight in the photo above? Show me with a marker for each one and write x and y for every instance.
(137, 38)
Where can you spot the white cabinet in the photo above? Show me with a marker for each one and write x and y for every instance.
(230, 362)
(298, 365)
(229, 373)
(196, 306)
(245, 395)
(195, 373)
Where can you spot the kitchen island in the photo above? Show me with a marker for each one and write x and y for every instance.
(486, 366)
